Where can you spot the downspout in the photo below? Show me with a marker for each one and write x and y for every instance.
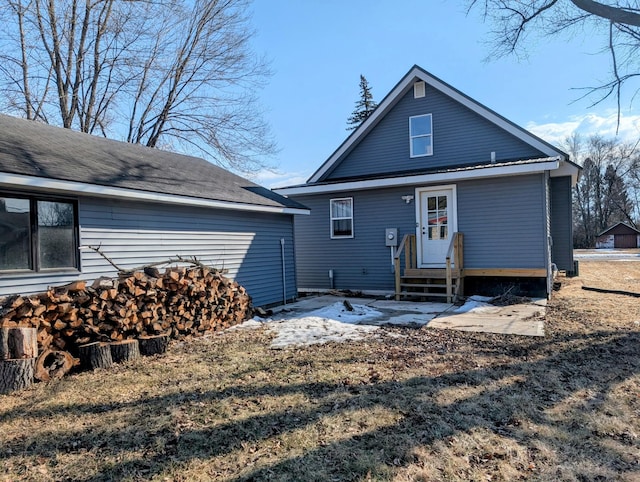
(284, 273)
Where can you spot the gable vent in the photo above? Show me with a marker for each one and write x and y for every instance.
(418, 90)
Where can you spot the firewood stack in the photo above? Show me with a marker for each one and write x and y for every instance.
(177, 303)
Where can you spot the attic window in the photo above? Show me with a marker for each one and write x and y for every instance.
(420, 135)
(418, 90)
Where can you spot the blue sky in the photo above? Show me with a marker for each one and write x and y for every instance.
(318, 49)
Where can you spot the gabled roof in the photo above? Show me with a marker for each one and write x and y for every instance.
(611, 228)
(39, 156)
(416, 74)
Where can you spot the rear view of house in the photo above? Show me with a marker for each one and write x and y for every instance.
(62, 191)
(435, 190)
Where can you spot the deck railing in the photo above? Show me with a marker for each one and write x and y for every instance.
(455, 250)
(407, 244)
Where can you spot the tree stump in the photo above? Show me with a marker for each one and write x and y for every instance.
(18, 342)
(54, 364)
(95, 355)
(16, 374)
(152, 345)
(125, 350)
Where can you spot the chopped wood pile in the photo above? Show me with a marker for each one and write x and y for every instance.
(145, 305)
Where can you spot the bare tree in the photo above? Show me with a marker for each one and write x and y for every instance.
(618, 21)
(602, 195)
(179, 74)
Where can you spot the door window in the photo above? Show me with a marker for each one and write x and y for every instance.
(437, 218)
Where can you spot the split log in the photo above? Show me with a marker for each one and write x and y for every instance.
(95, 355)
(54, 364)
(125, 350)
(16, 374)
(152, 345)
(18, 342)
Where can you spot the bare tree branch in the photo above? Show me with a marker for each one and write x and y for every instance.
(614, 14)
(177, 74)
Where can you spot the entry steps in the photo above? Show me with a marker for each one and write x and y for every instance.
(429, 282)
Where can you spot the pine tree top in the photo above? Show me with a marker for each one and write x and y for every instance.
(364, 106)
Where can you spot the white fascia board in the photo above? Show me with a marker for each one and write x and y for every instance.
(392, 97)
(439, 177)
(567, 169)
(79, 188)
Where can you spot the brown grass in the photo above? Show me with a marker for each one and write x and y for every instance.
(420, 405)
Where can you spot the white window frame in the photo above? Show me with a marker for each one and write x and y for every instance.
(419, 90)
(412, 137)
(342, 218)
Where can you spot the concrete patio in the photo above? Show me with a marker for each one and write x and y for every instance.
(525, 319)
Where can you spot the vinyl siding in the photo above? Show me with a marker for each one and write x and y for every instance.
(135, 234)
(361, 262)
(561, 223)
(503, 221)
(460, 137)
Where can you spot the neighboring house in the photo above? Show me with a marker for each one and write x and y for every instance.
(620, 235)
(430, 175)
(61, 191)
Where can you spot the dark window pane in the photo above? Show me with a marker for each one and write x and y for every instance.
(342, 227)
(55, 235)
(15, 238)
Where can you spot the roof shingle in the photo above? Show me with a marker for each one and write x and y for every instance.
(34, 149)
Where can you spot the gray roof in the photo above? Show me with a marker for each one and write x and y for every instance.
(34, 149)
(422, 172)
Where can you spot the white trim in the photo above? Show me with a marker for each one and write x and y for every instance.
(419, 89)
(567, 169)
(446, 89)
(79, 188)
(430, 136)
(452, 226)
(497, 171)
(332, 219)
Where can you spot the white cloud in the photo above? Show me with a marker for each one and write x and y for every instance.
(273, 179)
(587, 125)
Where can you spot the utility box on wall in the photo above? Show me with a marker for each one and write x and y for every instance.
(391, 237)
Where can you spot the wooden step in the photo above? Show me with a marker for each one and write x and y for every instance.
(423, 285)
(421, 294)
(434, 273)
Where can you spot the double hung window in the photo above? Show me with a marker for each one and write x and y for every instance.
(341, 217)
(420, 135)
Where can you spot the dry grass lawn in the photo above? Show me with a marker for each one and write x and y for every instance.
(414, 405)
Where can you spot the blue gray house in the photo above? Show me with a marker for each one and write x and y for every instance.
(436, 194)
(61, 191)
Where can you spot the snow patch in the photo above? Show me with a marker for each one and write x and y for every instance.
(477, 304)
(330, 323)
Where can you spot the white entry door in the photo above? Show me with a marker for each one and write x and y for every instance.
(436, 223)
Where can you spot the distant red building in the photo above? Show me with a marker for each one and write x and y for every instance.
(620, 235)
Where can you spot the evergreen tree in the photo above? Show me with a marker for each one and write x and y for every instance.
(364, 106)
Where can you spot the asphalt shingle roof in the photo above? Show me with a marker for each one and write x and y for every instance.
(34, 149)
